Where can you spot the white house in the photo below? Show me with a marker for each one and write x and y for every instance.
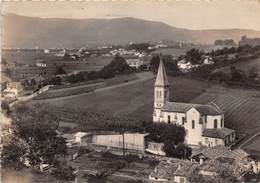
(13, 90)
(204, 124)
(41, 63)
(79, 137)
(134, 62)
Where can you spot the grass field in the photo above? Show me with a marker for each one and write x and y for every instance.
(181, 51)
(26, 61)
(246, 66)
(241, 107)
(253, 146)
(135, 99)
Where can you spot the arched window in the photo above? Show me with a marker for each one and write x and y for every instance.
(215, 123)
(169, 119)
(193, 124)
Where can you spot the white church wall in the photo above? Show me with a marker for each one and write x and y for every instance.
(210, 121)
(194, 135)
(157, 115)
(175, 118)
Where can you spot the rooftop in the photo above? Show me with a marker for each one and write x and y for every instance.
(212, 152)
(219, 133)
(237, 154)
(167, 170)
(161, 78)
(207, 109)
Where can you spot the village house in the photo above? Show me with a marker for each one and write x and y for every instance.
(13, 90)
(204, 123)
(134, 62)
(208, 154)
(155, 148)
(41, 63)
(172, 171)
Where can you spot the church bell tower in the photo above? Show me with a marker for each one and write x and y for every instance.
(161, 91)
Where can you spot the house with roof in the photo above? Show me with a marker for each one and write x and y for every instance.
(172, 171)
(134, 62)
(13, 90)
(204, 123)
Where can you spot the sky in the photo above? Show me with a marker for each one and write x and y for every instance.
(190, 14)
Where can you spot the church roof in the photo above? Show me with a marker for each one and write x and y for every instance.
(207, 109)
(219, 133)
(178, 107)
(161, 78)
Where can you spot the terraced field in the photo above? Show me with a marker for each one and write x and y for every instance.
(241, 107)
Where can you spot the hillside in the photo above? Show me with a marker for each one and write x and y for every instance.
(29, 32)
(241, 107)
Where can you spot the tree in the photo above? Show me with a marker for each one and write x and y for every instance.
(36, 127)
(154, 63)
(55, 81)
(64, 173)
(60, 71)
(182, 151)
(169, 148)
(117, 66)
(194, 56)
(170, 64)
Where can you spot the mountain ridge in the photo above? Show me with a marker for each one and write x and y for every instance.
(28, 32)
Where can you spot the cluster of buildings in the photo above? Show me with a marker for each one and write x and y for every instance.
(186, 66)
(13, 90)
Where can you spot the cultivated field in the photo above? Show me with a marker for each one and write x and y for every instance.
(246, 66)
(26, 63)
(241, 107)
(253, 146)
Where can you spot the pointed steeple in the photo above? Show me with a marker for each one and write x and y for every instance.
(161, 78)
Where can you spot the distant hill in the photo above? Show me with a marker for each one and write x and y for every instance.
(29, 32)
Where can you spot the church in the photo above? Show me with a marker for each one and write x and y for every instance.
(204, 123)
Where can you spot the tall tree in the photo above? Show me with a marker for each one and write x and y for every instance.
(36, 128)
